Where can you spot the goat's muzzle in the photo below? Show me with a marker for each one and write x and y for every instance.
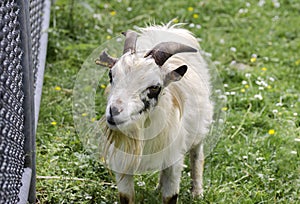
(113, 113)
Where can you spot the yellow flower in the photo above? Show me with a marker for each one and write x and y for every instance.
(269, 86)
(113, 13)
(57, 88)
(243, 90)
(247, 86)
(253, 59)
(84, 114)
(175, 20)
(108, 37)
(53, 123)
(93, 119)
(224, 109)
(102, 86)
(195, 15)
(297, 62)
(264, 69)
(271, 132)
(190, 8)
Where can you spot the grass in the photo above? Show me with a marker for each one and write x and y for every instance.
(256, 51)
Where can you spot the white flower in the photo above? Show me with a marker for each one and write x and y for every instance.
(261, 88)
(225, 85)
(279, 104)
(233, 49)
(248, 75)
(297, 139)
(244, 82)
(192, 25)
(222, 41)
(271, 79)
(295, 114)
(261, 3)
(293, 152)
(258, 96)
(141, 183)
(275, 111)
(129, 9)
(198, 26)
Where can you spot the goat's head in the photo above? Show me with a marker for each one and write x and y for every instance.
(138, 79)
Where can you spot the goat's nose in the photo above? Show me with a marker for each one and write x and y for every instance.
(113, 111)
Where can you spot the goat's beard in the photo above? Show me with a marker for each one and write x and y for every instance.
(127, 141)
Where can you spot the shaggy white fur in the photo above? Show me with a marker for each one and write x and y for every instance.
(175, 122)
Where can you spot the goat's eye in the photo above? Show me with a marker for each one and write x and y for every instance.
(110, 76)
(154, 91)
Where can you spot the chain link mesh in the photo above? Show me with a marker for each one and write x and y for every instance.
(12, 98)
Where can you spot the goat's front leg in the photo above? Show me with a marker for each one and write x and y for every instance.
(170, 181)
(125, 185)
(197, 166)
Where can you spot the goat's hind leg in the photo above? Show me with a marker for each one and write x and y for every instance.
(197, 166)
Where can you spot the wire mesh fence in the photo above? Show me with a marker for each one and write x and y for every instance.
(22, 57)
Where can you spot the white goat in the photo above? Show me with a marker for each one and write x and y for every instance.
(158, 109)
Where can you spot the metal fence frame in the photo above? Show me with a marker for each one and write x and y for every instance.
(32, 87)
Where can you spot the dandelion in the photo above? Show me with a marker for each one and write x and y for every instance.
(53, 123)
(57, 88)
(93, 119)
(195, 16)
(190, 8)
(269, 86)
(108, 37)
(113, 13)
(84, 114)
(243, 90)
(224, 109)
(102, 86)
(247, 86)
(175, 20)
(297, 62)
(264, 69)
(271, 132)
(253, 59)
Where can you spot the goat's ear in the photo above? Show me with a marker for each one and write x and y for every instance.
(175, 75)
(106, 60)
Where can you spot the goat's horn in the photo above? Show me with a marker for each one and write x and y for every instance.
(165, 50)
(106, 60)
(130, 41)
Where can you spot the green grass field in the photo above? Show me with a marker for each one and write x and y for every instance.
(255, 47)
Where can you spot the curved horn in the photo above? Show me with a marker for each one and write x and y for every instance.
(130, 41)
(106, 60)
(163, 51)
